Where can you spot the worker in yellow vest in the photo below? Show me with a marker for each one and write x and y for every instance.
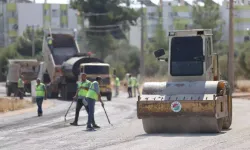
(20, 87)
(82, 90)
(117, 85)
(50, 41)
(137, 86)
(41, 95)
(93, 95)
(134, 86)
(129, 86)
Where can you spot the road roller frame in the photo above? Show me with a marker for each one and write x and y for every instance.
(187, 103)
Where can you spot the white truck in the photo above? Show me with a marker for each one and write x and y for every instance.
(29, 68)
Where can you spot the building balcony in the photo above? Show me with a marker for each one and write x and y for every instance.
(241, 20)
(242, 7)
(11, 7)
(12, 20)
(240, 32)
(12, 33)
(180, 8)
(64, 19)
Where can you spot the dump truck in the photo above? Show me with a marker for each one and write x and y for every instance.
(29, 68)
(99, 69)
(62, 63)
(195, 98)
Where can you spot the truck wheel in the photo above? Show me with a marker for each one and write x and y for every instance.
(63, 93)
(109, 96)
(70, 95)
(54, 95)
(149, 126)
(8, 91)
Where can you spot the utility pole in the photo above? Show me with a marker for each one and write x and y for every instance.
(33, 41)
(231, 47)
(142, 68)
(128, 5)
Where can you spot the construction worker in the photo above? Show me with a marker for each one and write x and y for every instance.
(129, 86)
(20, 87)
(133, 80)
(41, 95)
(117, 85)
(134, 86)
(82, 90)
(50, 41)
(93, 95)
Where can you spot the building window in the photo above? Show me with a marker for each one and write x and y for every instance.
(64, 13)
(55, 13)
(12, 14)
(46, 12)
(151, 16)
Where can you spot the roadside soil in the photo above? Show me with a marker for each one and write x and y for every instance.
(11, 106)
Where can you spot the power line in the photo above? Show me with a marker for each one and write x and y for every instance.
(95, 14)
(108, 30)
(106, 26)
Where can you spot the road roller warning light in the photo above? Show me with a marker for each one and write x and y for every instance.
(194, 99)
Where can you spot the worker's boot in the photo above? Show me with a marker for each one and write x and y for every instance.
(96, 126)
(89, 128)
(74, 123)
(40, 114)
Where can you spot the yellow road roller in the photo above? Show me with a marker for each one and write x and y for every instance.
(194, 98)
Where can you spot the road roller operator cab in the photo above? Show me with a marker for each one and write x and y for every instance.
(191, 56)
(194, 98)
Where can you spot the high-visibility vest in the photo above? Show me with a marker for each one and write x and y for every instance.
(91, 92)
(83, 92)
(40, 92)
(20, 83)
(133, 81)
(136, 83)
(117, 81)
(49, 40)
(129, 82)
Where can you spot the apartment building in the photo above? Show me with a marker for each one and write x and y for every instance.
(177, 15)
(241, 19)
(16, 17)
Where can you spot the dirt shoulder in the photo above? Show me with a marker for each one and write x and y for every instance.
(22, 106)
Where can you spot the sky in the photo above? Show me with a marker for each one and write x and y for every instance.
(66, 1)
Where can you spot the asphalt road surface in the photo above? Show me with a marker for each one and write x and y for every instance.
(27, 131)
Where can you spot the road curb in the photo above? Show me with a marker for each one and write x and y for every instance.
(241, 95)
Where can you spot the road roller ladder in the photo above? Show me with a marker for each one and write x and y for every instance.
(194, 99)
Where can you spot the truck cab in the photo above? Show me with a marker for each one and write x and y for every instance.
(99, 69)
(29, 68)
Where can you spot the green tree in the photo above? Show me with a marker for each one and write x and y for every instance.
(158, 41)
(208, 17)
(24, 42)
(125, 59)
(244, 61)
(7, 53)
(108, 21)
